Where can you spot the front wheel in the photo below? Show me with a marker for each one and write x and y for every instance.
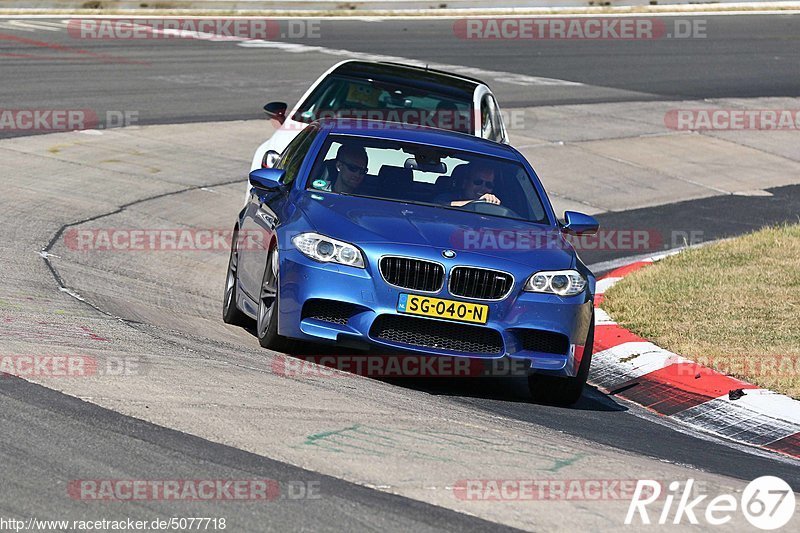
(230, 313)
(267, 322)
(554, 390)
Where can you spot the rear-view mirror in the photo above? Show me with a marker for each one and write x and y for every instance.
(438, 167)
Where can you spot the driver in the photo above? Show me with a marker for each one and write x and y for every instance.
(477, 183)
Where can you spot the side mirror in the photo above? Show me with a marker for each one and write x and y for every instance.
(267, 179)
(270, 159)
(579, 224)
(276, 110)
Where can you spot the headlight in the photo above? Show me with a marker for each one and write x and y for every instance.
(561, 282)
(326, 250)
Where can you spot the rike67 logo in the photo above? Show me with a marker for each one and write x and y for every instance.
(767, 503)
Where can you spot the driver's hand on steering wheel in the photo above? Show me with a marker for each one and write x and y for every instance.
(491, 198)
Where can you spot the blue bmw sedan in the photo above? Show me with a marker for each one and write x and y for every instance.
(401, 237)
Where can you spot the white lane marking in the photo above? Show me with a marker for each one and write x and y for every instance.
(604, 284)
(771, 404)
(556, 12)
(601, 318)
(8, 26)
(759, 417)
(683, 428)
(26, 25)
(630, 360)
(607, 266)
(55, 24)
(73, 294)
(500, 76)
(613, 264)
(674, 251)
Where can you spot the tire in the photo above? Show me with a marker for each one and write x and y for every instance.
(267, 318)
(553, 390)
(230, 313)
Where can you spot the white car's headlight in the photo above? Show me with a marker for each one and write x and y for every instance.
(561, 282)
(326, 250)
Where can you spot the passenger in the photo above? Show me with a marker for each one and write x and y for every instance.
(446, 116)
(477, 183)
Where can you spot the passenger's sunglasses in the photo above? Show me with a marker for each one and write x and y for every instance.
(478, 182)
(355, 169)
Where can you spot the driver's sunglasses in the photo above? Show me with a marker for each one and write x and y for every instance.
(478, 182)
(355, 169)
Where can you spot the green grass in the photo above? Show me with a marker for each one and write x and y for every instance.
(732, 305)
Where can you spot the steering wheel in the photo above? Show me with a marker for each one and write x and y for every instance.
(488, 208)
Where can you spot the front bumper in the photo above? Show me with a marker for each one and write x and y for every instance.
(368, 296)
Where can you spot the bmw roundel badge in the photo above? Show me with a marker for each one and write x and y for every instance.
(448, 254)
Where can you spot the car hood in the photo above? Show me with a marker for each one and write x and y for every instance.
(278, 142)
(362, 221)
(284, 135)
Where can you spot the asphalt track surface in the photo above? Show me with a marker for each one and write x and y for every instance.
(48, 436)
(182, 80)
(49, 439)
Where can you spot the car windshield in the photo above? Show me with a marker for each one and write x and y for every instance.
(339, 96)
(421, 174)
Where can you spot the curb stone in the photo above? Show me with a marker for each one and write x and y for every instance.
(637, 370)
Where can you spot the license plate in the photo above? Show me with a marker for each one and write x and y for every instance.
(413, 304)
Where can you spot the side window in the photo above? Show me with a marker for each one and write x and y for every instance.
(295, 153)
